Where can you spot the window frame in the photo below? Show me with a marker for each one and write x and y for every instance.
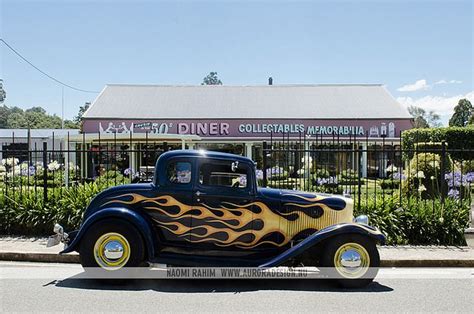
(202, 162)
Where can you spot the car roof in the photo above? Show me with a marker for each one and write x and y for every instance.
(202, 154)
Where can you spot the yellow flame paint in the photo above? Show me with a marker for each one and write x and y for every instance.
(242, 214)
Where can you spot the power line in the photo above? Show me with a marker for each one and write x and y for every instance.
(44, 73)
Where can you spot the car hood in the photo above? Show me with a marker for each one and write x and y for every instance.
(105, 196)
(333, 201)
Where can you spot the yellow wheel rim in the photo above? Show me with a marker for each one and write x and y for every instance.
(351, 260)
(111, 251)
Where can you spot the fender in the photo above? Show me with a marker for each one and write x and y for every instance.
(323, 234)
(139, 221)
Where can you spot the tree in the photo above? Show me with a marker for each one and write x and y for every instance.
(424, 119)
(4, 112)
(82, 110)
(211, 79)
(33, 118)
(462, 113)
(3, 94)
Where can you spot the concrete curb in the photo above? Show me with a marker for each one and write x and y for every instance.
(427, 263)
(74, 258)
(39, 257)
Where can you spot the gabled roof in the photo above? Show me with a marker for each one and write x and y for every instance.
(358, 101)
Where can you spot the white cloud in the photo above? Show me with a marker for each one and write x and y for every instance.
(418, 85)
(439, 104)
(448, 82)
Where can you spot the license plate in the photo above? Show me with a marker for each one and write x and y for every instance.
(53, 240)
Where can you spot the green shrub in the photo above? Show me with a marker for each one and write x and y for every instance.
(424, 175)
(24, 211)
(418, 222)
(348, 177)
(322, 173)
(456, 138)
(389, 184)
(349, 174)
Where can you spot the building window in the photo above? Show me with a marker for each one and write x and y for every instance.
(16, 150)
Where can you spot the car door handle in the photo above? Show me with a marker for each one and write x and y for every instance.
(199, 193)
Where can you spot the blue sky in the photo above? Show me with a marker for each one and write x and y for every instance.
(422, 50)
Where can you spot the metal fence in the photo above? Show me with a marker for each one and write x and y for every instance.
(367, 169)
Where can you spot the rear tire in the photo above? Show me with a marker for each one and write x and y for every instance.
(351, 259)
(112, 244)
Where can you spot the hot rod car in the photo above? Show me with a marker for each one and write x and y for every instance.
(205, 209)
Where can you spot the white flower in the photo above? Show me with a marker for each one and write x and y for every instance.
(422, 188)
(391, 168)
(4, 162)
(12, 161)
(2, 169)
(24, 165)
(420, 175)
(54, 165)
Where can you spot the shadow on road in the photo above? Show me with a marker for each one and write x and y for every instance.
(213, 285)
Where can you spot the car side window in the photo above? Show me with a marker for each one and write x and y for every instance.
(179, 172)
(223, 174)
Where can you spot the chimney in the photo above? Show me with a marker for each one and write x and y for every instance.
(270, 81)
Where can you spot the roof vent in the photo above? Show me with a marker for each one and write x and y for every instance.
(270, 81)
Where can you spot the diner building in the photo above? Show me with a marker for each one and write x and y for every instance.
(149, 119)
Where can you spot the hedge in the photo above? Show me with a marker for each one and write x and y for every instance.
(455, 138)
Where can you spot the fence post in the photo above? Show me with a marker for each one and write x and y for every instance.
(442, 171)
(264, 152)
(45, 172)
(359, 176)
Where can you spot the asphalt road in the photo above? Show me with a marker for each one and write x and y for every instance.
(55, 289)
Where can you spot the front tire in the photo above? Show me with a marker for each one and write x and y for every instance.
(112, 244)
(351, 259)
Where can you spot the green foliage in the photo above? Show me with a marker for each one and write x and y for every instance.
(24, 212)
(34, 118)
(321, 173)
(82, 109)
(424, 175)
(348, 177)
(211, 79)
(3, 94)
(418, 222)
(423, 119)
(389, 184)
(462, 113)
(456, 138)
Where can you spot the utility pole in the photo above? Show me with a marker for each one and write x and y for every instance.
(62, 107)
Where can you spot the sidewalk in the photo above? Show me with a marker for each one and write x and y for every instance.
(35, 250)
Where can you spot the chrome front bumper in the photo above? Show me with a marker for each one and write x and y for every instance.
(58, 237)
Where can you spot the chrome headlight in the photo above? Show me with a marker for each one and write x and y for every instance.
(362, 219)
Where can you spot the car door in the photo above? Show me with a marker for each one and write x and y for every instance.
(223, 203)
(172, 206)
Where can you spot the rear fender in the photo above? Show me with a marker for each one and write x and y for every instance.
(137, 220)
(322, 235)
